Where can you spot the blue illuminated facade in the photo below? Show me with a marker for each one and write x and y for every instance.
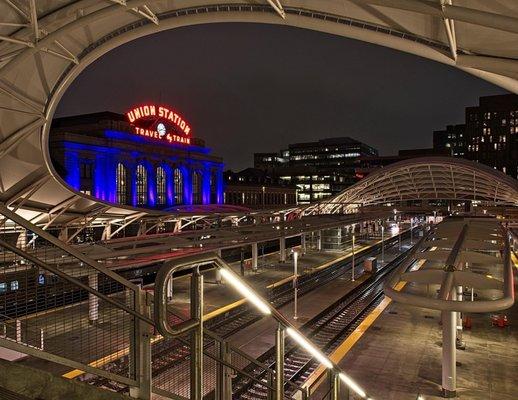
(98, 154)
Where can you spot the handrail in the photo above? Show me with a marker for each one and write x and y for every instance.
(76, 282)
(194, 262)
(65, 247)
(506, 301)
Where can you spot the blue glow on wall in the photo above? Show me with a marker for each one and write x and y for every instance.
(72, 168)
(205, 184)
(187, 184)
(105, 170)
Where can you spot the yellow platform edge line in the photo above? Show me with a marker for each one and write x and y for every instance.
(317, 377)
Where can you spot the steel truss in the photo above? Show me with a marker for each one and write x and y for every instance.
(53, 41)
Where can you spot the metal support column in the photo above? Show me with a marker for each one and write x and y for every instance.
(282, 249)
(399, 234)
(93, 300)
(223, 373)
(449, 372)
(352, 264)
(197, 336)
(254, 256)
(170, 289)
(295, 283)
(334, 383)
(411, 231)
(218, 272)
(279, 363)
(140, 350)
(270, 381)
(382, 244)
(242, 262)
(303, 243)
(459, 342)
(319, 240)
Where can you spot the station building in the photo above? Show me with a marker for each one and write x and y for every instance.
(146, 158)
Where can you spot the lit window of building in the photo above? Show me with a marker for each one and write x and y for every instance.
(161, 179)
(141, 179)
(121, 184)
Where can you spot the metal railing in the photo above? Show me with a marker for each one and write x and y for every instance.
(270, 382)
(59, 305)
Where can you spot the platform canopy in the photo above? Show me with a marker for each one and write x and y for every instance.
(427, 178)
(46, 44)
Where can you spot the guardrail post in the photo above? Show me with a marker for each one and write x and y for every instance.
(279, 363)
(223, 373)
(140, 349)
(197, 336)
(18, 331)
(270, 382)
(254, 256)
(334, 383)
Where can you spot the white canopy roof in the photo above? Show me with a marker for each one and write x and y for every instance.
(45, 44)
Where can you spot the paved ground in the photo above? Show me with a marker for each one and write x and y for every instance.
(260, 336)
(399, 357)
(270, 271)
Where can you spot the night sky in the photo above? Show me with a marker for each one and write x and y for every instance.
(255, 88)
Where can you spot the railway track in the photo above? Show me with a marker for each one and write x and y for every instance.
(327, 330)
(169, 353)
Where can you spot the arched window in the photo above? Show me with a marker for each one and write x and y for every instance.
(141, 185)
(196, 188)
(178, 186)
(121, 184)
(160, 186)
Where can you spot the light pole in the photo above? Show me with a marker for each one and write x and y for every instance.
(295, 282)
(399, 234)
(382, 243)
(352, 269)
(411, 231)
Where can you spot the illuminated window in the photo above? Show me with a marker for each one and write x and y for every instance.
(121, 183)
(160, 185)
(141, 185)
(178, 186)
(196, 188)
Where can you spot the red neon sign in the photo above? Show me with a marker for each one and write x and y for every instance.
(159, 122)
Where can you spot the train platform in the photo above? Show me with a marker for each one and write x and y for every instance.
(396, 355)
(218, 299)
(260, 336)
(270, 272)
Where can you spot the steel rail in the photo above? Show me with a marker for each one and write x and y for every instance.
(329, 315)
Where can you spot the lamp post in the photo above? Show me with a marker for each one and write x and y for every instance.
(382, 243)
(411, 231)
(352, 269)
(399, 234)
(295, 282)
